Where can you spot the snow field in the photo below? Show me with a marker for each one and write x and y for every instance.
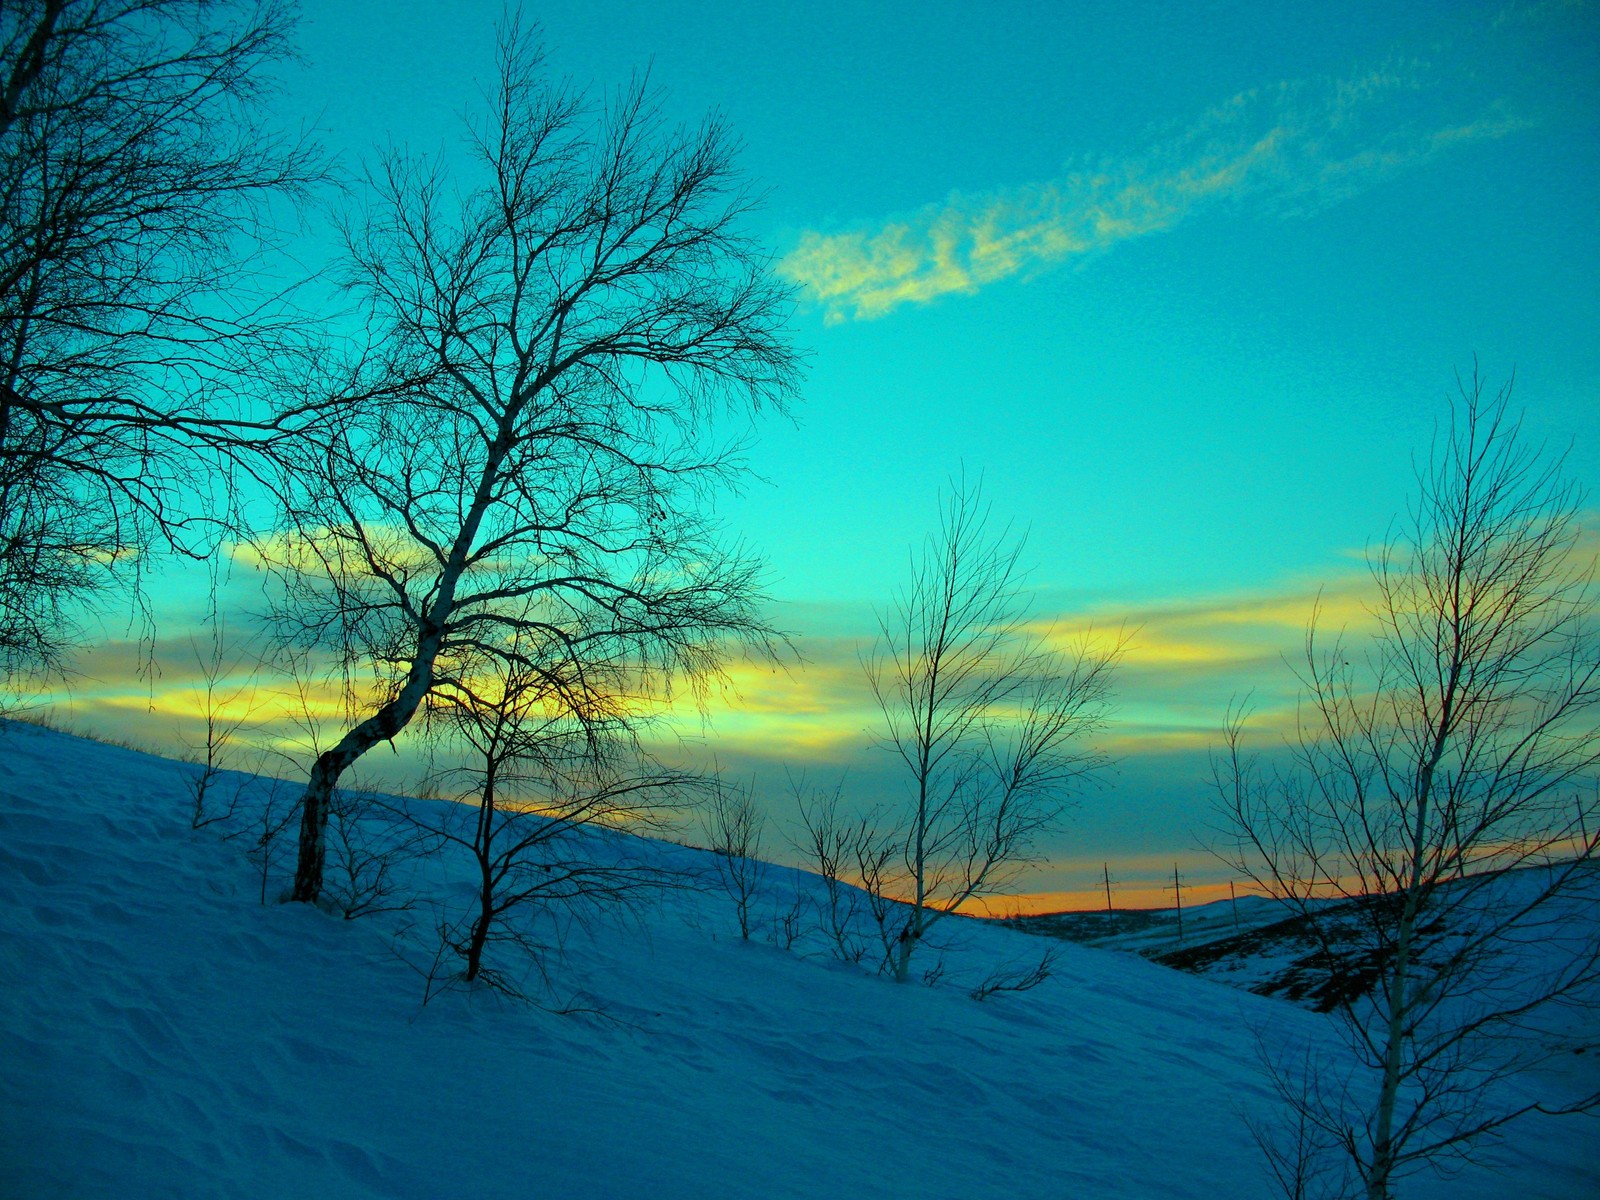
(162, 1034)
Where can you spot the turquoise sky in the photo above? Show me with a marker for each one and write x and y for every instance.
(1186, 284)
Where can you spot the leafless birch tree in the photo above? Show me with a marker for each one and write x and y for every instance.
(1441, 784)
(137, 177)
(844, 852)
(534, 450)
(990, 719)
(540, 785)
(735, 825)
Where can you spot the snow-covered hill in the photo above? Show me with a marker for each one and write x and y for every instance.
(164, 1034)
(1262, 945)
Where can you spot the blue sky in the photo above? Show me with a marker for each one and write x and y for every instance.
(1187, 289)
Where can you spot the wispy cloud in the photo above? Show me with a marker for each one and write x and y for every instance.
(1186, 661)
(1522, 12)
(1291, 148)
(811, 713)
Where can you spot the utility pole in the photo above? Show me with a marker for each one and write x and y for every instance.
(1106, 870)
(1177, 892)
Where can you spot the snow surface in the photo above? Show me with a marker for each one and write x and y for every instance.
(163, 1034)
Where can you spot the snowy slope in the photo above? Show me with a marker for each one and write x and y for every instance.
(1260, 945)
(162, 1034)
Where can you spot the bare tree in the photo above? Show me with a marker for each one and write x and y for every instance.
(278, 808)
(991, 721)
(835, 847)
(540, 789)
(1302, 1155)
(374, 853)
(856, 856)
(1438, 786)
(536, 451)
(223, 721)
(227, 707)
(735, 825)
(1016, 977)
(137, 177)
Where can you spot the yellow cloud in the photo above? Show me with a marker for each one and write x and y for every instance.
(1296, 145)
(325, 552)
(1185, 662)
(817, 711)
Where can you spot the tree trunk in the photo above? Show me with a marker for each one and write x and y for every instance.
(483, 847)
(907, 943)
(382, 726)
(480, 935)
(1383, 1148)
(385, 724)
(1398, 999)
(314, 808)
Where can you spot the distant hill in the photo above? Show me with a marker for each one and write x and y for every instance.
(1260, 945)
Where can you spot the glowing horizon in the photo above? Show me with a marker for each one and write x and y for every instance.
(1191, 308)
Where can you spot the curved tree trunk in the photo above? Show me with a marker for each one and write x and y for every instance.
(385, 724)
(382, 726)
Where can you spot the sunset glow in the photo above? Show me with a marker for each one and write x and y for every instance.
(1189, 300)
